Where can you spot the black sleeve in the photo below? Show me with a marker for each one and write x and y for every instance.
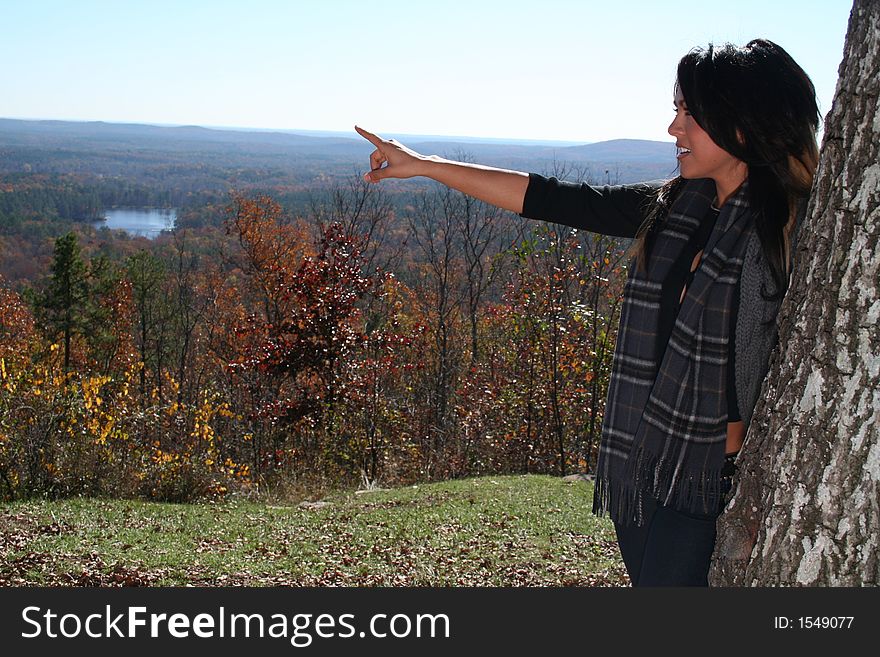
(616, 210)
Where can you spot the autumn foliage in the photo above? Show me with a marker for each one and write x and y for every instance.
(282, 356)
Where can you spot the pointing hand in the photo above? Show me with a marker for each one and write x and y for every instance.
(399, 161)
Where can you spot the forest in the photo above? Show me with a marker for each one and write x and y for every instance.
(299, 329)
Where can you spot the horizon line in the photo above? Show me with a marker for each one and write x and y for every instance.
(306, 132)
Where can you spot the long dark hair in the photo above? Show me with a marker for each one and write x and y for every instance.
(756, 103)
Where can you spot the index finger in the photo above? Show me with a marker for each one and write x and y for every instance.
(369, 136)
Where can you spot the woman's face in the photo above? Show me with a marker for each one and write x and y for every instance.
(699, 156)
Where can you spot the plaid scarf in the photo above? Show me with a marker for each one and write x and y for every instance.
(665, 427)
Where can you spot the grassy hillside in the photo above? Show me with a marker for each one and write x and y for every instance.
(490, 531)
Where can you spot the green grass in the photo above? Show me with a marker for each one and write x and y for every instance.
(491, 531)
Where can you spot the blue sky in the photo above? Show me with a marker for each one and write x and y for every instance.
(544, 69)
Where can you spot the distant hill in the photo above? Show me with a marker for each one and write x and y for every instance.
(618, 160)
(126, 132)
(623, 150)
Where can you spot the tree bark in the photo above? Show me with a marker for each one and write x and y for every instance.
(806, 506)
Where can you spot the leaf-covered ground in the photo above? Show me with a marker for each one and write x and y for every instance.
(491, 531)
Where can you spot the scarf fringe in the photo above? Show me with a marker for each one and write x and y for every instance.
(622, 503)
(693, 491)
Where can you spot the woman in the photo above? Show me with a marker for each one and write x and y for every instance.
(711, 264)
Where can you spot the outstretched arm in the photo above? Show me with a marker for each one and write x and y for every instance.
(500, 187)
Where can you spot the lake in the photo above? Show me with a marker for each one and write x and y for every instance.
(147, 222)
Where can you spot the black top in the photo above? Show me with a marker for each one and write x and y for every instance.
(619, 210)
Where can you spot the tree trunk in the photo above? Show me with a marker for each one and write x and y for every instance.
(806, 508)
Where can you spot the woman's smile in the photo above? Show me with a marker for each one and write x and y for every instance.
(700, 157)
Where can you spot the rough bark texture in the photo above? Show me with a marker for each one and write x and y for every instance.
(806, 508)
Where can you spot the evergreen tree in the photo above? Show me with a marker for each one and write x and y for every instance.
(63, 305)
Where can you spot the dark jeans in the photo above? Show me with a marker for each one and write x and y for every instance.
(671, 548)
